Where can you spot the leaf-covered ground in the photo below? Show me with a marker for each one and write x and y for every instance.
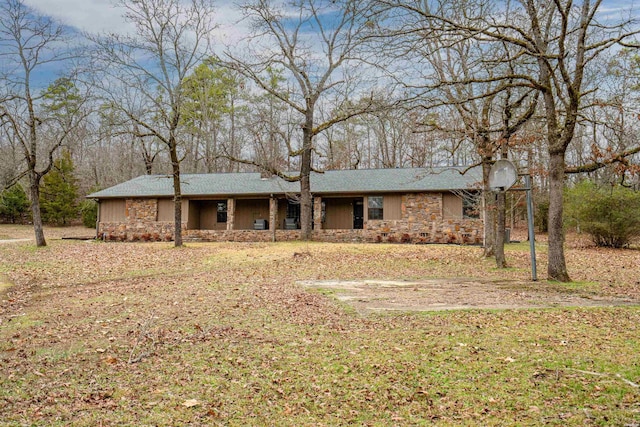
(220, 334)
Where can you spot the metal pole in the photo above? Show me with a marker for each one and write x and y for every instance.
(532, 240)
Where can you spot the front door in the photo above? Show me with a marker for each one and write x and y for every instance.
(358, 214)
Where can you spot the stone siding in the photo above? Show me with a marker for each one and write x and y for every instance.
(422, 222)
(141, 210)
(140, 224)
(139, 231)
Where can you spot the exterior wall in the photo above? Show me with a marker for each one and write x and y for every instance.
(139, 223)
(203, 214)
(282, 213)
(338, 213)
(112, 210)
(247, 211)
(166, 210)
(451, 206)
(392, 208)
(141, 210)
(193, 217)
(421, 221)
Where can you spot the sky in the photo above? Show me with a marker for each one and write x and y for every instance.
(99, 16)
(89, 15)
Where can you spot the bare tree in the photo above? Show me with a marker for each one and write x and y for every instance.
(563, 38)
(316, 43)
(145, 72)
(29, 43)
(606, 143)
(467, 84)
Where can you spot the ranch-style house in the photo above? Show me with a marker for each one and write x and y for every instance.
(417, 205)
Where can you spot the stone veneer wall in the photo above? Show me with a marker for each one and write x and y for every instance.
(421, 222)
(140, 224)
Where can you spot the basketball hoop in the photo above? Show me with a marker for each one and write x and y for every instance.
(503, 175)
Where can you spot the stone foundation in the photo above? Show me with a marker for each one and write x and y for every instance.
(136, 231)
(447, 231)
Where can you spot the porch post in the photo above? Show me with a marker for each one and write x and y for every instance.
(231, 213)
(317, 213)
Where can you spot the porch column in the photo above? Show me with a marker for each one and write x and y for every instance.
(231, 213)
(317, 213)
(273, 213)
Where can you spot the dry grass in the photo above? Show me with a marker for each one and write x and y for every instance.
(219, 334)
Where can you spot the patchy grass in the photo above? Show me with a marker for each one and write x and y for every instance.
(219, 334)
(5, 283)
(17, 231)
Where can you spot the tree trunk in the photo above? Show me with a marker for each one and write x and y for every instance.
(306, 204)
(34, 187)
(489, 212)
(148, 164)
(177, 196)
(306, 210)
(557, 269)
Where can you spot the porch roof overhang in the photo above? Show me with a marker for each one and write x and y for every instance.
(340, 182)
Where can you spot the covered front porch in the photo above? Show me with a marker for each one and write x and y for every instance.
(271, 214)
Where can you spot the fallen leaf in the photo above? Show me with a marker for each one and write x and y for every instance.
(190, 403)
(110, 360)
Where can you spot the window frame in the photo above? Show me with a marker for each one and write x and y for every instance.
(221, 214)
(376, 212)
(470, 208)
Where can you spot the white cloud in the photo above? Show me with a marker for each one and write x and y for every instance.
(231, 29)
(98, 16)
(88, 15)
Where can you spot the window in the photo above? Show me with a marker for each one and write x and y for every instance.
(221, 211)
(292, 215)
(293, 209)
(461, 204)
(470, 208)
(375, 207)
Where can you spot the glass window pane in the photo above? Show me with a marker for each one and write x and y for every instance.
(375, 207)
(222, 211)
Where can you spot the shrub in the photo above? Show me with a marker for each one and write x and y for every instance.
(541, 211)
(59, 192)
(14, 204)
(609, 214)
(89, 212)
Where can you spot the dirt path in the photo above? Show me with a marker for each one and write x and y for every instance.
(459, 293)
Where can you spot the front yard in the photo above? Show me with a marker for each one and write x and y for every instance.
(226, 334)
